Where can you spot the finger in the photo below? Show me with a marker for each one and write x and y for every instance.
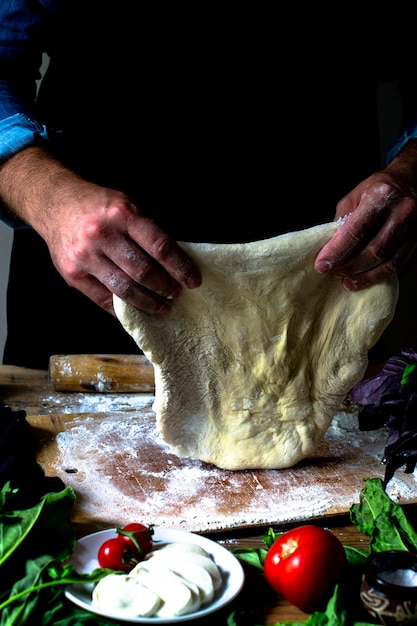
(386, 269)
(360, 226)
(143, 270)
(392, 244)
(115, 281)
(347, 241)
(166, 251)
(120, 284)
(366, 279)
(366, 239)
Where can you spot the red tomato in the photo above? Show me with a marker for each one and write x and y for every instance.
(303, 566)
(137, 537)
(116, 554)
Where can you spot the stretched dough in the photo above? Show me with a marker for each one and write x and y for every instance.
(251, 367)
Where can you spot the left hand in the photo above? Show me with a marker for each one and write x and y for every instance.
(379, 235)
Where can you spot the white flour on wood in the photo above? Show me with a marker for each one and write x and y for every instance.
(121, 472)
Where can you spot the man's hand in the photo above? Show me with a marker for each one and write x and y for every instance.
(98, 240)
(379, 235)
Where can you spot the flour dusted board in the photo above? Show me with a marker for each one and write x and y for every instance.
(121, 471)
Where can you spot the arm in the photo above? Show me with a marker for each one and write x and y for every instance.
(99, 242)
(20, 62)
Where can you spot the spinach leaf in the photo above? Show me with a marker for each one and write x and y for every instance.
(42, 586)
(252, 556)
(43, 525)
(383, 520)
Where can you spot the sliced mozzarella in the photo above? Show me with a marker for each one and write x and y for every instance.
(173, 558)
(197, 574)
(124, 595)
(182, 547)
(188, 571)
(174, 579)
(177, 595)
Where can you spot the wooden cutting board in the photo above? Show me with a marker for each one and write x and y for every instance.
(122, 472)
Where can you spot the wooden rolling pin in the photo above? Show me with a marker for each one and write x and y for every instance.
(101, 373)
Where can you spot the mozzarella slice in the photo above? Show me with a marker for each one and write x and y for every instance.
(174, 557)
(183, 547)
(178, 597)
(188, 571)
(124, 595)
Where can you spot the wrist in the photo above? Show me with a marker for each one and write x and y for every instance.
(28, 179)
(403, 167)
(401, 142)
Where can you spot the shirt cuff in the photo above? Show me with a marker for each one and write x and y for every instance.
(17, 132)
(398, 144)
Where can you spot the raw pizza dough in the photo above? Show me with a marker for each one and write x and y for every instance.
(251, 367)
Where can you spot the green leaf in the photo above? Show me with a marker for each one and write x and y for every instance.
(241, 618)
(43, 573)
(252, 556)
(270, 537)
(50, 518)
(7, 494)
(382, 520)
(14, 528)
(408, 374)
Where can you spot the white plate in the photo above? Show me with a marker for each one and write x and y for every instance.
(84, 559)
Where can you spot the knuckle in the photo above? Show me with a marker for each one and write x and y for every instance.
(95, 229)
(143, 271)
(386, 190)
(73, 272)
(119, 210)
(123, 290)
(375, 255)
(393, 265)
(105, 302)
(114, 282)
(163, 246)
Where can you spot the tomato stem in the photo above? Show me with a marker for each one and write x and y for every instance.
(289, 547)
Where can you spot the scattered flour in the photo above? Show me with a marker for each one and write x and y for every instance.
(122, 471)
(96, 402)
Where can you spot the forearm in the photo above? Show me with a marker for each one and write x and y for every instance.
(33, 185)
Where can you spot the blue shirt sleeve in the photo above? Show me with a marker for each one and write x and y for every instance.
(17, 132)
(399, 143)
(21, 50)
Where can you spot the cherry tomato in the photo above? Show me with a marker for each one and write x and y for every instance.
(116, 554)
(303, 566)
(137, 537)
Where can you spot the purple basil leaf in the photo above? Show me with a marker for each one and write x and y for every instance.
(409, 354)
(387, 402)
(385, 384)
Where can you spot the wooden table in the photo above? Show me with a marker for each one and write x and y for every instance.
(30, 390)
